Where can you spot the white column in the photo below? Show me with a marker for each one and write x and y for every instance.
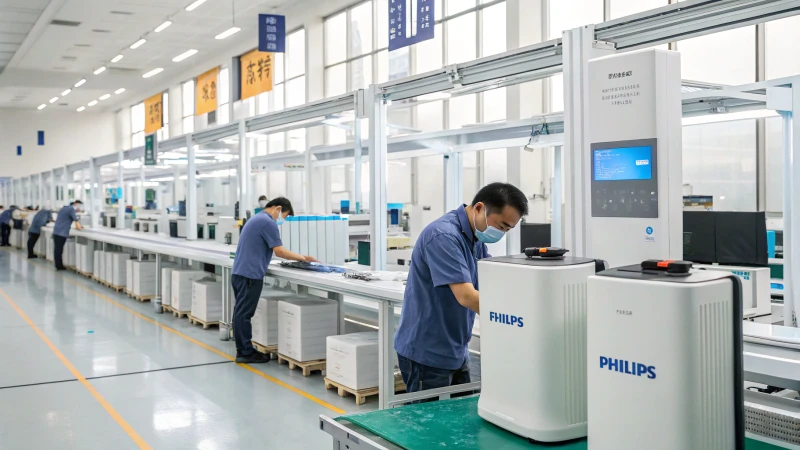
(120, 191)
(52, 189)
(244, 171)
(791, 205)
(191, 192)
(41, 190)
(377, 166)
(94, 187)
(142, 197)
(357, 165)
(453, 184)
(176, 178)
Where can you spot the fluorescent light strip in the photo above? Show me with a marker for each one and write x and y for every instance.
(163, 26)
(65, 93)
(54, 99)
(153, 72)
(100, 70)
(138, 44)
(184, 55)
(41, 107)
(227, 33)
(81, 108)
(117, 58)
(80, 83)
(105, 97)
(93, 102)
(119, 91)
(195, 5)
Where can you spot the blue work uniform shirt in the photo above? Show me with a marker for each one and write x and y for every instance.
(434, 328)
(39, 220)
(64, 219)
(259, 236)
(5, 217)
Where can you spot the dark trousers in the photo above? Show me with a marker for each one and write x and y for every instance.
(32, 238)
(419, 377)
(58, 251)
(247, 292)
(5, 231)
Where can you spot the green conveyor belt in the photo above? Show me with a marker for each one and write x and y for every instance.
(455, 424)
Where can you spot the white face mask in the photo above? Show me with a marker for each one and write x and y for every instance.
(262, 203)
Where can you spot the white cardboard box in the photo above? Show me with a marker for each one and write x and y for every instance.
(181, 289)
(69, 253)
(114, 270)
(144, 277)
(166, 285)
(207, 300)
(99, 264)
(304, 325)
(265, 319)
(353, 359)
(129, 275)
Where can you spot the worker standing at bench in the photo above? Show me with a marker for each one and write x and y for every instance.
(66, 216)
(259, 239)
(441, 297)
(39, 220)
(5, 226)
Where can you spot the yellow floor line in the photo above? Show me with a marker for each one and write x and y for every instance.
(209, 348)
(75, 373)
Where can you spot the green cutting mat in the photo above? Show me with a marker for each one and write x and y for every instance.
(455, 424)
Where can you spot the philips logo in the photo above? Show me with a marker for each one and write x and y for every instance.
(628, 367)
(506, 319)
(642, 162)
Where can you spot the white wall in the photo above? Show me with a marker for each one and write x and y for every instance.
(69, 137)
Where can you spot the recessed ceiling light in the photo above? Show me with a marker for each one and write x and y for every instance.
(138, 44)
(93, 102)
(153, 72)
(41, 107)
(54, 99)
(229, 32)
(65, 93)
(184, 55)
(81, 108)
(163, 26)
(105, 97)
(119, 91)
(195, 5)
(117, 58)
(100, 70)
(80, 83)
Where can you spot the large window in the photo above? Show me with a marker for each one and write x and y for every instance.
(187, 92)
(223, 97)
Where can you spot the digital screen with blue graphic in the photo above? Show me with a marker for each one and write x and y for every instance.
(627, 163)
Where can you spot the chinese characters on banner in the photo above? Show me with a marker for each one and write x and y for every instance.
(410, 21)
(206, 92)
(153, 114)
(271, 33)
(150, 150)
(256, 73)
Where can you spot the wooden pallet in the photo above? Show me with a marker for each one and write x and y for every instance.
(361, 394)
(307, 367)
(271, 350)
(143, 298)
(85, 274)
(179, 314)
(166, 308)
(194, 320)
(118, 289)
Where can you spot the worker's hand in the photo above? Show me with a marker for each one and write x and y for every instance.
(78, 226)
(309, 259)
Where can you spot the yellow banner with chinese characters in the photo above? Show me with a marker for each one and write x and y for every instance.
(153, 114)
(206, 92)
(256, 73)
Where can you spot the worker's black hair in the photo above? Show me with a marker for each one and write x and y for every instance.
(263, 197)
(496, 196)
(78, 202)
(283, 202)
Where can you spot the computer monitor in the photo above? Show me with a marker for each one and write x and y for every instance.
(725, 237)
(534, 235)
(699, 242)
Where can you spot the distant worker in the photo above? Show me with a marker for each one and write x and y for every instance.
(66, 216)
(259, 238)
(39, 220)
(441, 297)
(5, 225)
(262, 201)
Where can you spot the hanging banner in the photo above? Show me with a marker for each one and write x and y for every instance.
(272, 33)
(153, 117)
(150, 150)
(256, 73)
(206, 92)
(410, 21)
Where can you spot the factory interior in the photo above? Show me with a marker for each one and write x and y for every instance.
(399, 224)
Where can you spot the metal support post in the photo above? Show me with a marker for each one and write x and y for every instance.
(157, 299)
(308, 183)
(191, 191)
(791, 206)
(357, 153)
(385, 354)
(339, 299)
(120, 192)
(53, 190)
(41, 190)
(244, 171)
(142, 200)
(65, 186)
(453, 184)
(557, 222)
(93, 188)
(226, 324)
(377, 169)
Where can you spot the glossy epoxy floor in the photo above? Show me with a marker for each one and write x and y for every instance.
(82, 367)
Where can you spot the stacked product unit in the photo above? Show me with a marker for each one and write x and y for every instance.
(129, 275)
(303, 327)
(166, 286)
(99, 264)
(69, 253)
(181, 288)
(114, 270)
(144, 278)
(353, 360)
(207, 300)
(326, 238)
(265, 319)
(85, 262)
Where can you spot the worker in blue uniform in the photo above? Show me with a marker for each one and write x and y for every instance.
(39, 220)
(64, 219)
(5, 225)
(441, 297)
(259, 239)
